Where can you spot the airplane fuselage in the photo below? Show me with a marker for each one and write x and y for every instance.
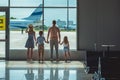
(20, 23)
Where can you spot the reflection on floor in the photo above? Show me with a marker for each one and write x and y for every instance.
(22, 70)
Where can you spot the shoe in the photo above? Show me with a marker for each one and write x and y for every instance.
(57, 60)
(65, 61)
(51, 60)
(31, 60)
(42, 61)
(28, 60)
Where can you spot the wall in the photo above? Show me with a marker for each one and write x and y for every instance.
(17, 54)
(98, 22)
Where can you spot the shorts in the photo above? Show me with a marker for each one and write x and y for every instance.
(66, 49)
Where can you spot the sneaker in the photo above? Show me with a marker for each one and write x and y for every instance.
(31, 60)
(65, 61)
(57, 60)
(51, 60)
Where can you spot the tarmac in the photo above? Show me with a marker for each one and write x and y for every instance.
(18, 40)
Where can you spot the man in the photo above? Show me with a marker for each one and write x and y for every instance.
(55, 38)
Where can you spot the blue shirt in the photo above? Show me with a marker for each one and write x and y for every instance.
(40, 40)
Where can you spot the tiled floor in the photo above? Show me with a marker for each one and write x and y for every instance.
(22, 70)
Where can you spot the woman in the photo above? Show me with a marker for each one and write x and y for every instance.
(30, 42)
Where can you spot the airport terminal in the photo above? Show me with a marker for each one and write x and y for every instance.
(91, 27)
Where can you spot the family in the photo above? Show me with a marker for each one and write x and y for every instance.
(53, 37)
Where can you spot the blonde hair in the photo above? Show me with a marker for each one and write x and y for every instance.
(65, 40)
(30, 27)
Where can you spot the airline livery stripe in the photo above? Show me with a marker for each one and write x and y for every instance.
(37, 13)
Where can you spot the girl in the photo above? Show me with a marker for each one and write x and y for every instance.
(30, 42)
(65, 43)
(40, 42)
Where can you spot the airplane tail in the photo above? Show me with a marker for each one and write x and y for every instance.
(36, 15)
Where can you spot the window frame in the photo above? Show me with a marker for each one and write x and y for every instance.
(68, 7)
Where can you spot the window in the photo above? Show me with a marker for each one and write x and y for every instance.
(25, 3)
(63, 11)
(18, 24)
(54, 3)
(3, 3)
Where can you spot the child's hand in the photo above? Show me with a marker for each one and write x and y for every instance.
(60, 43)
(47, 41)
(36, 43)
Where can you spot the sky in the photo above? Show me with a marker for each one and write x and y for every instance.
(3, 2)
(46, 2)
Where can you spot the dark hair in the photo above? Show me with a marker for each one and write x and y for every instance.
(40, 32)
(54, 22)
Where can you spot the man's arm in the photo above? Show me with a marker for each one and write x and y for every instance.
(48, 34)
(59, 35)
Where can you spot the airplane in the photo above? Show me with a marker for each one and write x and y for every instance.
(24, 22)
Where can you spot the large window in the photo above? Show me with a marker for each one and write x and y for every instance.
(21, 12)
(18, 25)
(25, 3)
(3, 3)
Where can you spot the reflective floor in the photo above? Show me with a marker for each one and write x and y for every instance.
(22, 70)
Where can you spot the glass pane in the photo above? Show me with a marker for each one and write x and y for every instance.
(2, 49)
(3, 2)
(72, 28)
(2, 34)
(55, 3)
(72, 3)
(25, 2)
(2, 25)
(20, 18)
(58, 14)
(2, 70)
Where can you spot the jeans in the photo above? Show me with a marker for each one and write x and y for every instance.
(52, 44)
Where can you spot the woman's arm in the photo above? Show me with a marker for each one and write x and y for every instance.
(27, 30)
(36, 43)
(68, 46)
(34, 36)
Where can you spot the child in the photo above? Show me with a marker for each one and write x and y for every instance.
(65, 43)
(30, 42)
(40, 42)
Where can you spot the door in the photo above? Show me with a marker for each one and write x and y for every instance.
(4, 33)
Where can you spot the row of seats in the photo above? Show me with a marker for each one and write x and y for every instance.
(110, 65)
(110, 68)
